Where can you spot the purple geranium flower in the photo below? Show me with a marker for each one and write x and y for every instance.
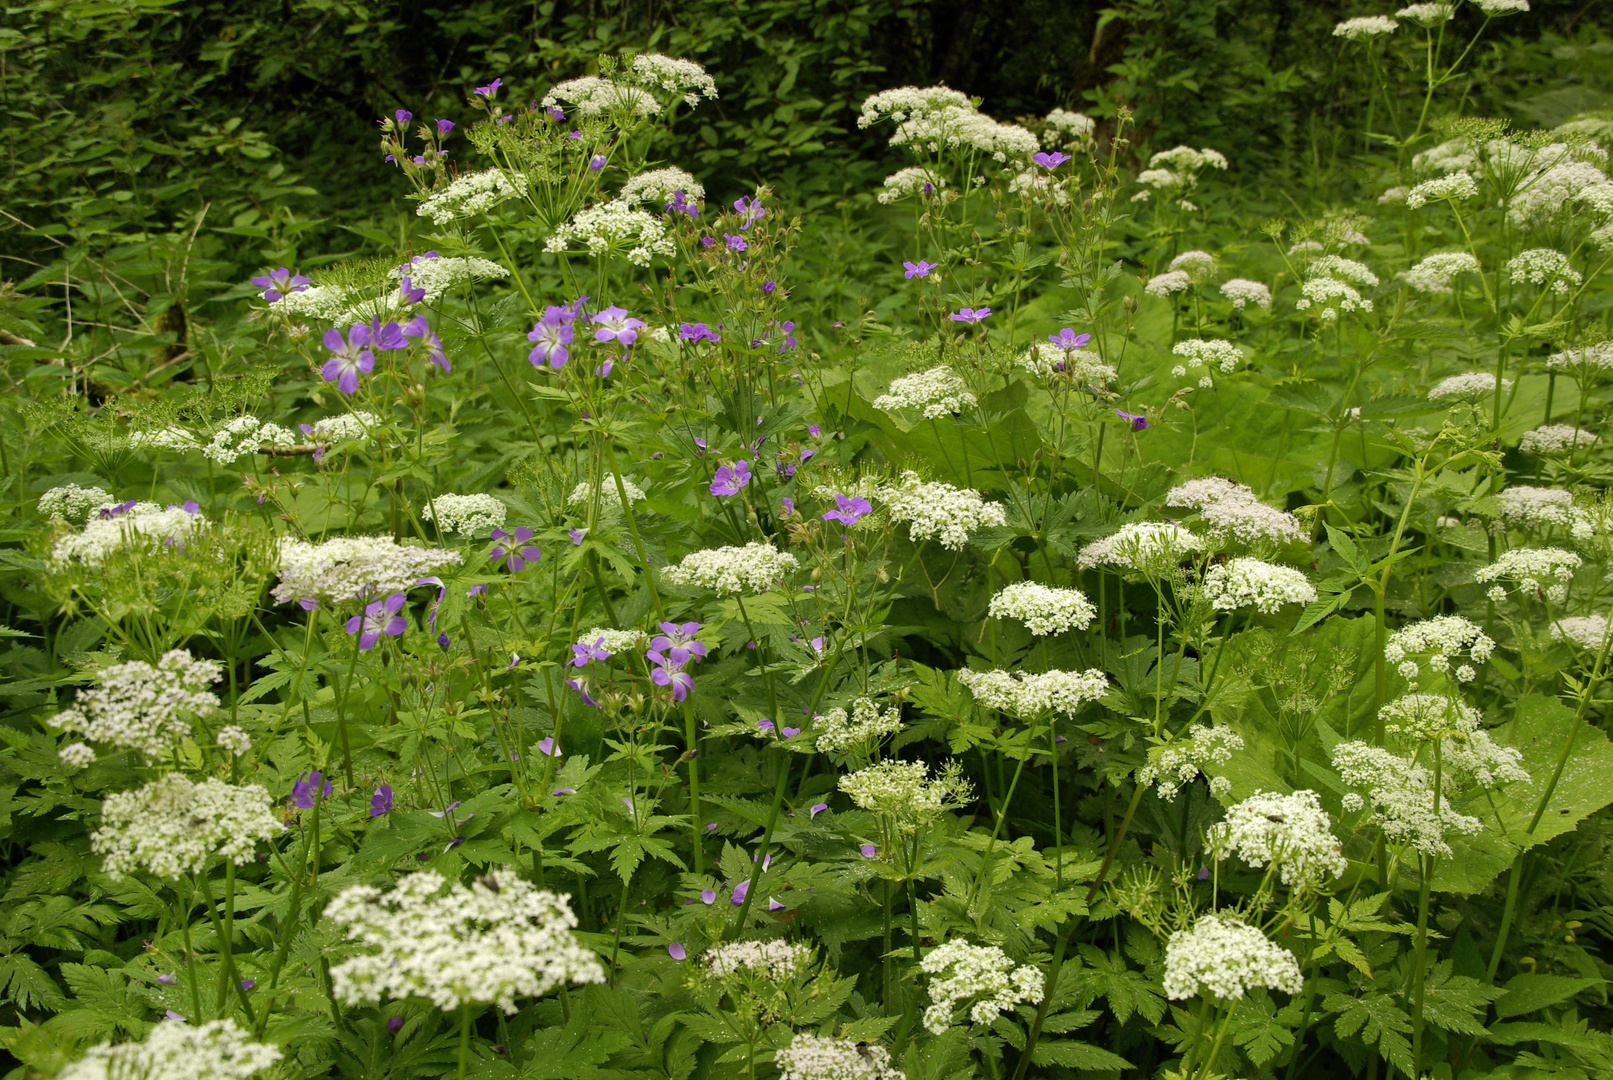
(576, 536)
(444, 126)
(789, 505)
(735, 243)
(581, 686)
(553, 334)
(1051, 161)
(395, 1024)
(918, 269)
(583, 654)
(381, 801)
(677, 951)
(420, 328)
(616, 325)
(596, 163)
(519, 552)
(768, 287)
(348, 358)
(410, 294)
(1068, 339)
(491, 89)
(749, 211)
(306, 790)
(379, 618)
(729, 479)
(737, 897)
(276, 283)
(402, 116)
(971, 315)
(698, 332)
(848, 510)
(679, 204)
(680, 636)
(669, 671)
(1138, 421)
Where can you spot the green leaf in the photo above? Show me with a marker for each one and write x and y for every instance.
(1528, 992)
(1076, 1055)
(1378, 1021)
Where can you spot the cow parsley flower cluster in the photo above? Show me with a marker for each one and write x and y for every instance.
(1197, 265)
(612, 641)
(172, 826)
(838, 731)
(904, 790)
(1468, 386)
(675, 75)
(217, 1050)
(246, 435)
(609, 498)
(353, 568)
(1153, 547)
(776, 961)
(468, 515)
(1554, 439)
(1401, 794)
(1330, 296)
(1426, 15)
(1453, 155)
(1365, 27)
(657, 186)
(811, 1057)
(1452, 187)
(1233, 513)
(1435, 273)
(1469, 756)
(436, 275)
(468, 196)
(1586, 631)
(1202, 355)
(728, 571)
(1066, 128)
(1243, 293)
(1542, 571)
(1245, 582)
(499, 939)
(73, 503)
(594, 96)
(1042, 608)
(937, 392)
(1555, 183)
(171, 438)
(1226, 959)
(1437, 640)
(1292, 832)
(981, 975)
(907, 102)
(1545, 267)
(910, 181)
(143, 526)
(940, 512)
(963, 128)
(1046, 360)
(615, 228)
(138, 706)
(1175, 764)
(343, 426)
(1168, 283)
(1536, 507)
(1028, 695)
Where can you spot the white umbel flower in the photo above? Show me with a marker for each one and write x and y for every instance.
(1330, 296)
(1066, 128)
(73, 503)
(1585, 631)
(657, 185)
(1243, 293)
(1030, 695)
(1554, 439)
(344, 426)
(613, 641)
(1426, 15)
(1402, 797)
(1198, 265)
(809, 1057)
(609, 498)
(1337, 266)
(1168, 283)
(1452, 187)
(903, 790)
(958, 128)
(1526, 505)
(1291, 831)
(1468, 386)
(838, 731)
(675, 74)
(981, 975)
(904, 102)
(1201, 355)
(499, 940)
(467, 515)
(175, 1050)
(1178, 763)
(777, 961)
(172, 827)
(1042, 608)
(1232, 512)
(1365, 27)
(173, 438)
(940, 512)
(436, 275)
(135, 706)
(1546, 571)
(470, 195)
(913, 180)
(937, 392)
(144, 526)
(594, 96)
(1245, 582)
(354, 568)
(1047, 360)
(1150, 546)
(1436, 641)
(1435, 273)
(246, 435)
(754, 568)
(1545, 267)
(1226, 959)
(614, 228)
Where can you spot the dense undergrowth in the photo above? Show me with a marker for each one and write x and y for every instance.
(1054, 617)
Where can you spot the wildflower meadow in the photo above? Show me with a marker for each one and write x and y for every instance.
(1078, 607)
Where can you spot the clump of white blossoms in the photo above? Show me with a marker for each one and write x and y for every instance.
(468, 196)
(594, 96)
(1226, 959)
(904, 791)
(1365, 27)
(1437, 640)
(609, 498)
(1232, 512)
(1154, 547)
(1452, 187)
(1468, 386)
(1468, 755)
(216, 1050)
(1171, 766)
(615, 228)
(1243, 292)
(1169, 282)
(233, 740)
(939, 391)
(658, 185)
(1402, 796)
(464, 514)
(144, 526)
(1033, 184)
(675, 75)
(172, 826)
(982, 976)
(1543, 571)
(1042, 608)
(1066, 128)
(1337, 266)
(939, 511)
(1531, 506)
(501, 939)
(1553, 439)
(964, 128)
(344, 426)
(1585, 631)
(1292, 832)
(1545, 267)
(1556, 181)
(1198, 265)
(809, 1057)
(1047, 360)
(135, 706)
(246, 435)
(1186, 162)
(172, 438)
(777, 961)
(1435, 273)
(1426, 15)
(754, 568)
(910, 181)
(353, 568)
(836, 730)
(437, 274)
(1245, 582)
(614, 641)
(1202, 355)
(1454, 155)
(1029, 695)
(904, 102)
(1330, 296)
(73, 503)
